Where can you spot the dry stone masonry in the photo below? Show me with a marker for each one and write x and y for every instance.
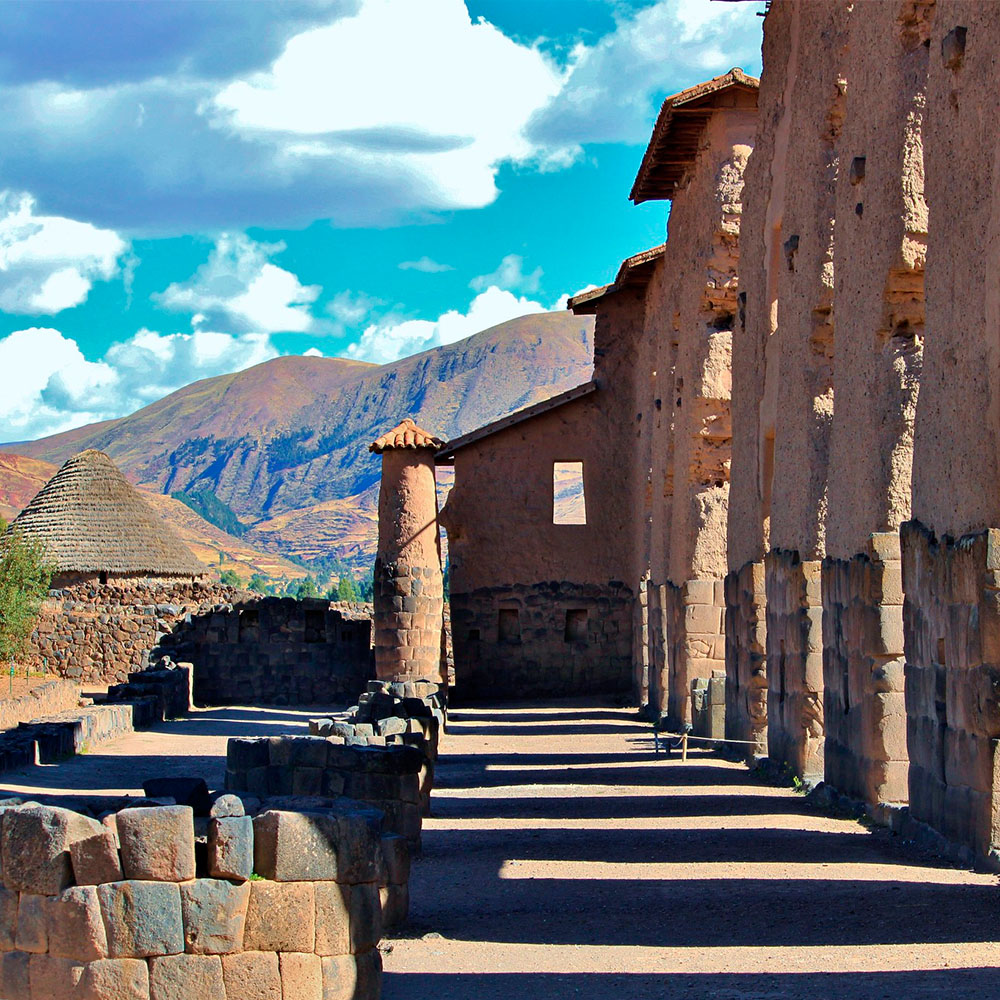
(285, 902)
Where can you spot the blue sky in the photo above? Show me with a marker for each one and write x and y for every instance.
(190, 188)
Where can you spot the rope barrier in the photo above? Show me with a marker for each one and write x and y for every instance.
(682, 741)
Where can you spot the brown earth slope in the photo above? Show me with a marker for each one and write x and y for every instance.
(292, 433)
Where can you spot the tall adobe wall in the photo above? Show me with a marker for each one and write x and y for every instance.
(693, 309)
(882, 228)
(950, 548)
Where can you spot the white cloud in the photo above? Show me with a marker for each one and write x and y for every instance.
(613, 88)
(313, 352)
(510, 275)
(387, 341)
(426, 265)
(351, 308)
(239, 284)
(47, 385)
(49, 263)
(417, 86)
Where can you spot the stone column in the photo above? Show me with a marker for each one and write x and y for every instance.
(409, 583)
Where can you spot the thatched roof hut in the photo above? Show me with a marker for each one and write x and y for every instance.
(93, 522)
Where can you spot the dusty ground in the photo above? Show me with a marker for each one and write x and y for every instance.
(19, 685)
(565, 860)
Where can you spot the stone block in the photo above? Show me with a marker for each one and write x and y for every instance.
(702, 619)
(14, 980)
(114, 979)
(214, 914)
(298, 751)
(142, 919)
(333, 918)
(226, 806)
(35, 847)
(252, 975)
(95, 859)
(301, 976)
(366, 917)
(307, 781)
(353, 977)
(699, 592)
(53, 978)
(395, 902)
(157, 844)
(296, 846)
(230, 847)
(281, 916)
(75, 927)
(396, 857)
(358, 857)
(246, 754)
(32, 924)
(8, 919)
(186, 977)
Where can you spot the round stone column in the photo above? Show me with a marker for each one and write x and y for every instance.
(409, 583)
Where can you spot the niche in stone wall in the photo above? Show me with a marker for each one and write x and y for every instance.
(509, 625)
(576, 625)
(569, 501)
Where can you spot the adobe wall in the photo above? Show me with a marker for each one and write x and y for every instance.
(691, 307)
(99, 633)
(951, 614)
(784, 401)
(136, 906)
(508, 559)
(566, 638)
(273, 650)
(879, 262)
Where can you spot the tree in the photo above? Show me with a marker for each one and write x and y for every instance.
(257, 584)
(346, 589)
(307, 588)
(229, 578)
(25, 575)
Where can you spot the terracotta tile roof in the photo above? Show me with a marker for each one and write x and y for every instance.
(90, 519)
(677, 133)
(406, 435)
(634, 273)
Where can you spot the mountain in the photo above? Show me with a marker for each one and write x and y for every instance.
(21, 478)
(284, 445)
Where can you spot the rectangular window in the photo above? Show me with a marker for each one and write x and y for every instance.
(509, 625)
(569, 503)
(576, 625)
(249, 625)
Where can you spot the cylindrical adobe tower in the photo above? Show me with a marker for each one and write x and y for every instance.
(409, 584)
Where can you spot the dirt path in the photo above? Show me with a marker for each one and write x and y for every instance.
(565, 860)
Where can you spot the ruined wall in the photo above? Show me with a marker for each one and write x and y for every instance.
(542, 640)
(99, 633)
(273, 650)
(783, 402)
(129, 907)
(512, 568)
(951, 613)
(746, 658)
(691, 308)
(879, 261)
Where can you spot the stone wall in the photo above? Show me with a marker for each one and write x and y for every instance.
(45, 699)
(543, 640)
(746, 659)
(794, 663)
(952, 636)
(864, 709)
(136, 906)
(273, 650)
(99, 633)
(387, 777)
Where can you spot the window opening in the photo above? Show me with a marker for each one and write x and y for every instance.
(576, 625)
(509, 625)
(569, 503)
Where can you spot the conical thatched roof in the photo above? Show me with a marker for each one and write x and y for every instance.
(91, 520)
